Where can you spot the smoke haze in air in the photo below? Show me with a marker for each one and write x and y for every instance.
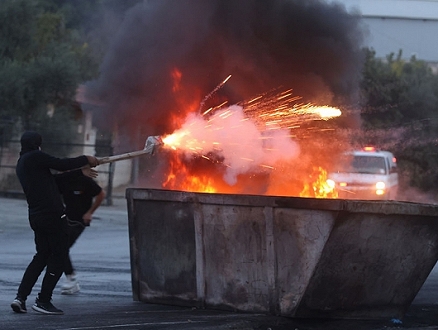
(310, 46)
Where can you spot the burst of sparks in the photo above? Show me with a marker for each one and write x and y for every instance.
(270, 111)
(282, 110)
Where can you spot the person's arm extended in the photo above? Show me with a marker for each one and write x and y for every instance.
(66, 164)
(96, 203)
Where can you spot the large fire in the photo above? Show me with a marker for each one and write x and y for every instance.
(180, 178)
(240, 147)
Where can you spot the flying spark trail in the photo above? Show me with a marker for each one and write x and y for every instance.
(212, 92)
(280, 110)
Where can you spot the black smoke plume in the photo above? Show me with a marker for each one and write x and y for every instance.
(310, 46)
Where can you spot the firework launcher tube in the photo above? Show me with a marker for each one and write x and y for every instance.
(152, 142)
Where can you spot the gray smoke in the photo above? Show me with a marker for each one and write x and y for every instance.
(310, 46)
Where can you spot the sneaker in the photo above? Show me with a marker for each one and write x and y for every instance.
(19, 305)
(70, 286)
(46, 308)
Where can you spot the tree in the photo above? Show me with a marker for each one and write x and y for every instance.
(400, 112)
(41, 65)
(15, 23)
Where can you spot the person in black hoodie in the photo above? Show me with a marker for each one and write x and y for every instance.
(46, 218)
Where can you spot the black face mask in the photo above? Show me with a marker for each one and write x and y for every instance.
(30, 141)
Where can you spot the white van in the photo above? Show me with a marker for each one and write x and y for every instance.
(366, 174)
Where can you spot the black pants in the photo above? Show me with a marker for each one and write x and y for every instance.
(51, 243)
(75, 229)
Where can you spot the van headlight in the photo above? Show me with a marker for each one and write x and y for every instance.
(380, 188)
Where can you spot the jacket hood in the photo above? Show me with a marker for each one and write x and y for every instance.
(30, 140)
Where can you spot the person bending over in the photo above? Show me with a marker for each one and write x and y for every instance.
(82, 196)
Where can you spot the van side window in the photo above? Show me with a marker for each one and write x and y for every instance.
(388, 165)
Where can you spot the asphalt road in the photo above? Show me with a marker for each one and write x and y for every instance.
(101, 257)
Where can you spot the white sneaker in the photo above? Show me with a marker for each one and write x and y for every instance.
(70, 286)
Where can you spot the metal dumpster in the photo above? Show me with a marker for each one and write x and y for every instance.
(290, 256)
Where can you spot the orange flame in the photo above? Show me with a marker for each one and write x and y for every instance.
(316, 185)
(176, 77)
(185, 100)
(180, 178)
(271, 112)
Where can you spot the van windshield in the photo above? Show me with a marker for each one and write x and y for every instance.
(363, 164)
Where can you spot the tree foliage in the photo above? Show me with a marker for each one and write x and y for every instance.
(16, 43)
(400, 112)
(42, 62)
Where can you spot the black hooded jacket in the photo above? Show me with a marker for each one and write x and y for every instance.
(39, 185)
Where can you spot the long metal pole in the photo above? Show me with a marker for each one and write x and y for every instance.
(151, 143)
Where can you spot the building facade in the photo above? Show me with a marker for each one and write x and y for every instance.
(392, 25)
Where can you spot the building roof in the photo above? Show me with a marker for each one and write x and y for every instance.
(406, 9)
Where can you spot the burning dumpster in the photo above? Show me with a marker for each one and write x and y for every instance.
(290, 256)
